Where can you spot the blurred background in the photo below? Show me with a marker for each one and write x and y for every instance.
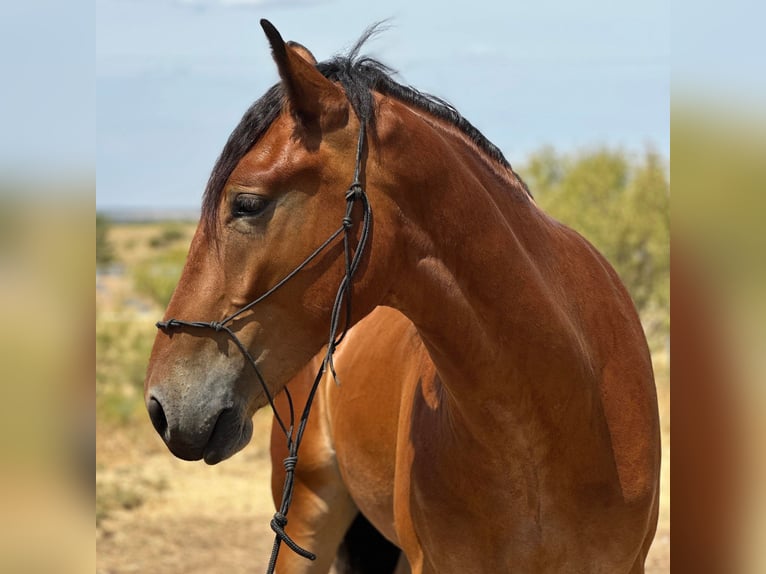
(577, 96)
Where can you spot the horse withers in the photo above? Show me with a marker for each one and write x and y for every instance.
(496, 408)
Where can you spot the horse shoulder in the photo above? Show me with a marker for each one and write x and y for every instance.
(625, 378)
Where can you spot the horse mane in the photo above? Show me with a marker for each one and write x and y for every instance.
(359, 76)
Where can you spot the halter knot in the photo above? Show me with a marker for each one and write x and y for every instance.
(163, 325)
(290, 462)
(354, 192)
(216, 326)
(279, 521)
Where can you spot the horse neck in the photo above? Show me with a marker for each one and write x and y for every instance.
(479, 283)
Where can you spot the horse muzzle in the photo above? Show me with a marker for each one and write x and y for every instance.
(196, 430)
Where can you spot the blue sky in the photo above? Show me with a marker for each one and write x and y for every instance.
(173, 77)
(47, 98)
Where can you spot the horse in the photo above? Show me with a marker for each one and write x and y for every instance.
(485, 400)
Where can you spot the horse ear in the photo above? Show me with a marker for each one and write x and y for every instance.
(302, 51)
(313, 98)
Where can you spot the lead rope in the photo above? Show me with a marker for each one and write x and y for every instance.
(336, 335)
(279, 520)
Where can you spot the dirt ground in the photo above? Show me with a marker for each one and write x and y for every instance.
(171, 516)
(178, 517)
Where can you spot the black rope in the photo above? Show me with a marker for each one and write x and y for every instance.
(336, 335)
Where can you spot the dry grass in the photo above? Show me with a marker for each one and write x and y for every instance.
(658, 560)
(133, 242)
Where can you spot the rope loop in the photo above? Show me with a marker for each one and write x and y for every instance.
(278, 524)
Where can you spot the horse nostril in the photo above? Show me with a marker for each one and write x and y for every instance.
(157, 414)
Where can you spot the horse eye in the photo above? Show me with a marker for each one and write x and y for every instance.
(248, 205)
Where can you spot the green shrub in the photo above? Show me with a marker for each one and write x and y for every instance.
(170, 234)
(104, 248)
(158, 276)
(621, 204)
(122, 353)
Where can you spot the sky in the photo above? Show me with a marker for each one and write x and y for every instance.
(46, 91)
(173, 77)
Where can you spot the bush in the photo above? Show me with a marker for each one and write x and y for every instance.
(122, 352)
(622, 206)
(170, 234)
(104, 248)
(157, 276)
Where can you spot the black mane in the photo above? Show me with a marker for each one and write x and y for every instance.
(359, 76)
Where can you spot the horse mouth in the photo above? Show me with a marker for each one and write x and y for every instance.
(209, 433)
(230, 435)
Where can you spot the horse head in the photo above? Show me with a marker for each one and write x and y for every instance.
(283, 189)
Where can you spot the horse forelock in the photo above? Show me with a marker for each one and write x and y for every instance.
(359, 76)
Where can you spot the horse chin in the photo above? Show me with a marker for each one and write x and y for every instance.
(230, 435)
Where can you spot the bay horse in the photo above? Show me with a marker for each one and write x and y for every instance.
(496, 408)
